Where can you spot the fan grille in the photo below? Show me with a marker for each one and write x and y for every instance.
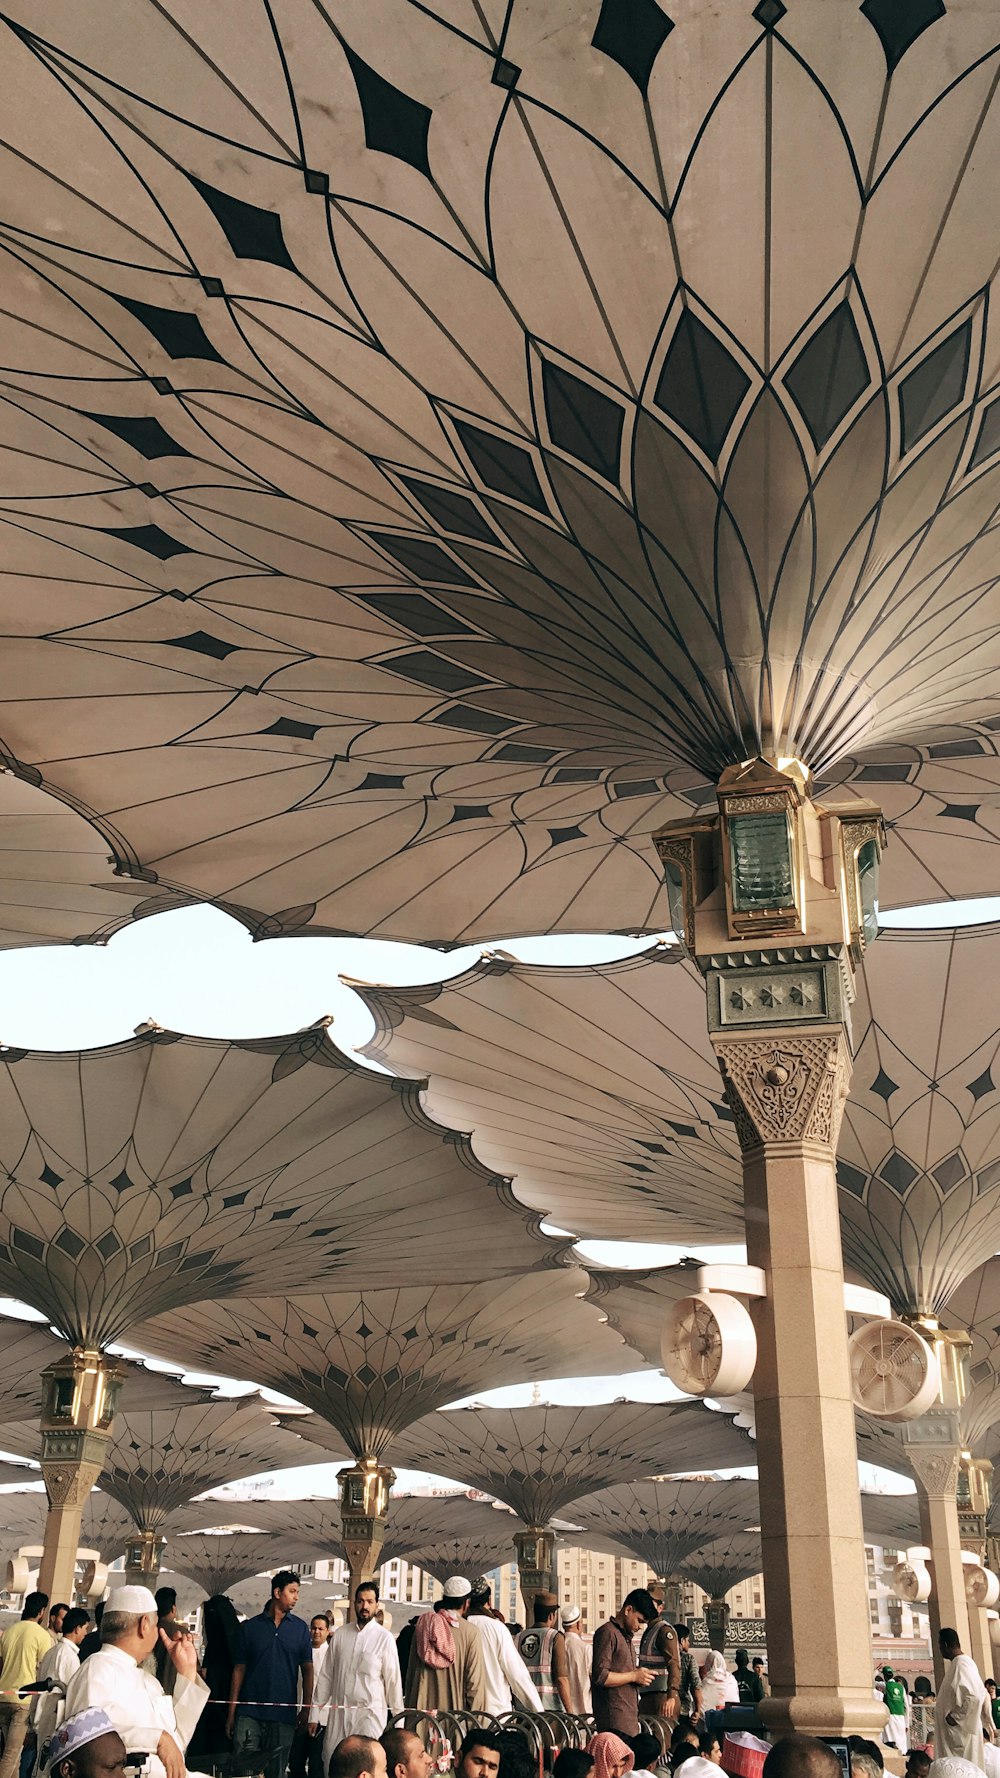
(889, 1367)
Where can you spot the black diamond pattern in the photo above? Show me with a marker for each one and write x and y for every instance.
(701, 385)
(422, 557)
(150, 538)
(122, 1182)
(989, 436)
(935, 386)
(502, 466)
(145, 436)
(451, 510)
(884, 1085)
(983, 1084)
(851, 1179)
(200, 642)
(286, 725)
(898, 1172)
(181, 335)
(252, 233)
(417, 614)
(394, 123)
(632, 33)
(899, 23)
(829, 374)
(769, 13)
(49, 1177)
(505, 73)
(583, 422)
(959, 812)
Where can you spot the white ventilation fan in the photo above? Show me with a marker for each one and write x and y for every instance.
(911, 1580)
(93, 1575)
(982, 1587)
(709, 1346)
(18, 1577)
(894, 1372)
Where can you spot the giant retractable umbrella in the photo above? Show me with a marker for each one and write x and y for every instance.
(159, 1459)
(371, 1362)
(142, 1176)
(434, 455)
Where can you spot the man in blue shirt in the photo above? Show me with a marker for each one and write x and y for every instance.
(263, 1709)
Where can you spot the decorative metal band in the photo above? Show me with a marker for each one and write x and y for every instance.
(741, 1632)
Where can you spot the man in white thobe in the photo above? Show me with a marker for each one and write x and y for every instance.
(112, 1680)
(506, 1675)
(962, 1718)
(45, 1712)
(360, 1684)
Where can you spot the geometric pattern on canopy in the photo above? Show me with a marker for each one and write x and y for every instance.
(919, 1150)
(158, 1460)
(373, 1361)
(537, 1460)
(719, 1567)
(598, 1087)
(664, 1521)
(636, 1302)
(57, 880)
(597, 1084)
(428, 444)
(152, 1173)
(28, 1346)
(221, 1560)
(106, 1526)
(444, 1525)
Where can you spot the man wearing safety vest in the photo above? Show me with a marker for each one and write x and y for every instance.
(660, 1651)
(542, 1648)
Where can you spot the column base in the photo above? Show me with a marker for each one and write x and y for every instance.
(823, 1713)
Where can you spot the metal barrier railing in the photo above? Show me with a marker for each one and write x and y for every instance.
(547, 1732)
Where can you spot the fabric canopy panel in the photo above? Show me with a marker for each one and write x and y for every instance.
(149, 1174)
(371, 1362)
(220, 1561)
(537, 1460)
(426, 462)
(107, 1527)
(598, 1085)
(420, 1525)
(597, 1089)
(719, 1567)
(663, 1520)
(667, 1522)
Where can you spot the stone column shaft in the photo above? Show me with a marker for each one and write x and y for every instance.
(935, 1469)
(787, 1089)
(364, 1503)
(78, 1405)
(717, 1620)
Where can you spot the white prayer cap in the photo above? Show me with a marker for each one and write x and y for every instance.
(138, 1601)
(457, 1587)
(571, 1615)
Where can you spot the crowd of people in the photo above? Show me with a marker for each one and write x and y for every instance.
(272, 1695)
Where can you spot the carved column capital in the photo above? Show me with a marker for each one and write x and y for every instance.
(787, 1085)
(936, 1469)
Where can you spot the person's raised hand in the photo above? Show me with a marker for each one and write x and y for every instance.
(171, 1755)
(184, 1655)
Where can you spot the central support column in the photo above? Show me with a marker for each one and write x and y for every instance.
(934, 1448)
(787, 1089)
(774, 899)
(717, 1623)
(536, 1565)
(78, 1406)
(364, 1507)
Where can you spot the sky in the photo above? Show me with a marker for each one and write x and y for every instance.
(197, 971)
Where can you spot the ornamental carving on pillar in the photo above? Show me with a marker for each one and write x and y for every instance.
(69, 1485)
(791, 1088)
(936, 1471)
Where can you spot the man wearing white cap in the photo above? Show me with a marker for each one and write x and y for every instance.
(112, 1680)
(577, 1661)
(446, 1670)
(359, 1685)
(85, 1746)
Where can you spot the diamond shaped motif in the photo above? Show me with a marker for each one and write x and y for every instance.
(200, 642)
(884, 1085)
(252, 233)
(394, 123)
(935, 386)
(145, 436)
(317, 183)
(898, 1172)
(769, 13)
(122, 1182)
(829, 374)
(583, 421)
(983, 1084)
(505, 73)
(851, 1179)
(181, 335)
(48, 1176)
(899, 23)
(701, 386)
(363, 1331)
(959, 812)
(632, 33)
(950, 1172)
(150, 538)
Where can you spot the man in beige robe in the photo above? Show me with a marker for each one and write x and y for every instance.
(445, 1669)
